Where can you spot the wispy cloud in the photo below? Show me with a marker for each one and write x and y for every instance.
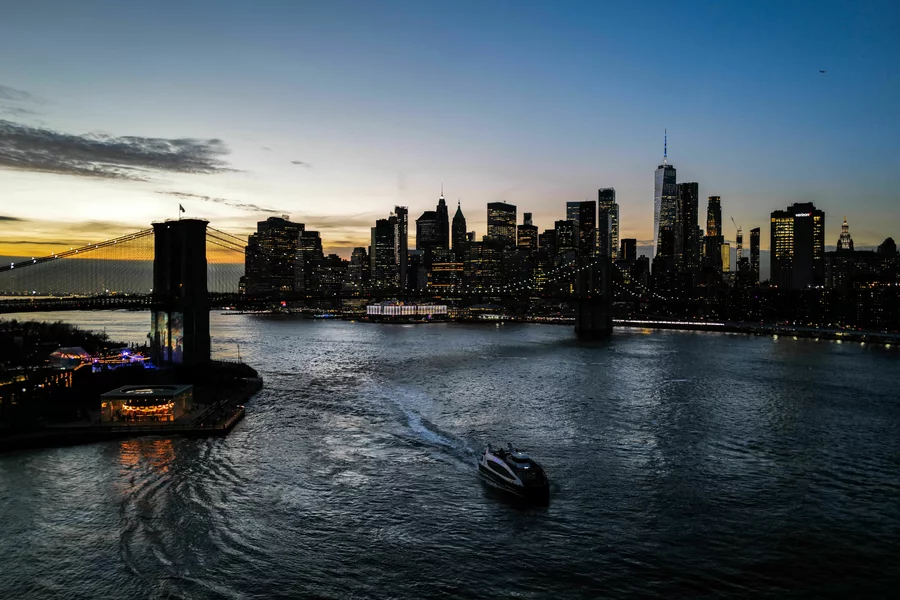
(224, 201)
(9, 93)
(29, 148)
(301, 164)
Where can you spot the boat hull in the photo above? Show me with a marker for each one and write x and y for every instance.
(539, 494)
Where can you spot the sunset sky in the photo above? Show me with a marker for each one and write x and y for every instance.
(113, 113)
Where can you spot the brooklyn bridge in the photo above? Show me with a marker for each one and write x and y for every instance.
(193, 267)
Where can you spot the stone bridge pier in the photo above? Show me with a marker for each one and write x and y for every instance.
(593, 308)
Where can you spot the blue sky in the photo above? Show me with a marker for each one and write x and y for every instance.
(533, 103)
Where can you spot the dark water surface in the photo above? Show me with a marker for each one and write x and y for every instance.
(682, 464)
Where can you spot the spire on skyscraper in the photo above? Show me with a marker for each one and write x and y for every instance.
(665, 146)
(845, 242)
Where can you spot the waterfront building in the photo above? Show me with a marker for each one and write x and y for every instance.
(481, 268)
(146, 403)
(797, 247)
(401, 310)
(687, 243)
(459, 232)
(270, 256)
(446, 272)
(845, 242)
(754, 255)
(712, 242)
(501, 222)
(527, 236)
(628, 250)
(665, 200)
(607, 223)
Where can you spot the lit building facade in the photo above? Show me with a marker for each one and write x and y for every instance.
(687, 243)
(527, 236)
(501, 223)
(797, 247)
(583, 216)
(712, 242)
(607, 223)
(665, 203)
(146, 404)
(270, 256)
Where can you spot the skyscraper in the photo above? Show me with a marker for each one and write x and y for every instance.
(754, 254)
(584, 218)
(442, 223)
(459, 232)
(712, 243)
(271, 255)
(383, 254)
(725, 249)
(629, 250)
(688, 254)
(426, 234)
(607, 223)
(527, 238)
(845, 242)
(401, 242)
(565, 236)
(501, 222)
(798, 247)
(665, 200)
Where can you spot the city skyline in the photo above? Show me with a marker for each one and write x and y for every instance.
(518, 112)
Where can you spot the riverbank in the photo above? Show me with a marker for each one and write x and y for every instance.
(215, 420)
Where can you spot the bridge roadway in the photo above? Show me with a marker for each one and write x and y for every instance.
(15, 304)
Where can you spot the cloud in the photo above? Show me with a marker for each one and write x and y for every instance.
(8, 93)
(301, 163)
(97, 155)
(224, 201)
(6, 218)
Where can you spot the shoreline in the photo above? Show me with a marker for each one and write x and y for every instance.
(61, 434)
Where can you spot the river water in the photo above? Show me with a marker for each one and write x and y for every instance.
(682, 464)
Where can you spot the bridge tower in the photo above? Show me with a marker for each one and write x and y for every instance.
(179, 321)
(593, 311)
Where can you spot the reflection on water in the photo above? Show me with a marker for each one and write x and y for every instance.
(681, 464)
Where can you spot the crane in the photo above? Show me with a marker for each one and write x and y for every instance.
(739, 242)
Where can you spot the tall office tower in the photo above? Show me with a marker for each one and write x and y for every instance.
(739, 244)
(607, 223)
(309, 263)
(358, 270)
(797, 247)
(382, 254)
(845, 242)
(754, 254)
(688, 199)
(726, 257)
(712, 242)
(565, 236)
(665, 199)
(527, 238)
(270, 256)
(401, 242)
(442, 223)
(629, 250)
(501, 222)
(426, 234)
(583, 216)
(459, 232)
